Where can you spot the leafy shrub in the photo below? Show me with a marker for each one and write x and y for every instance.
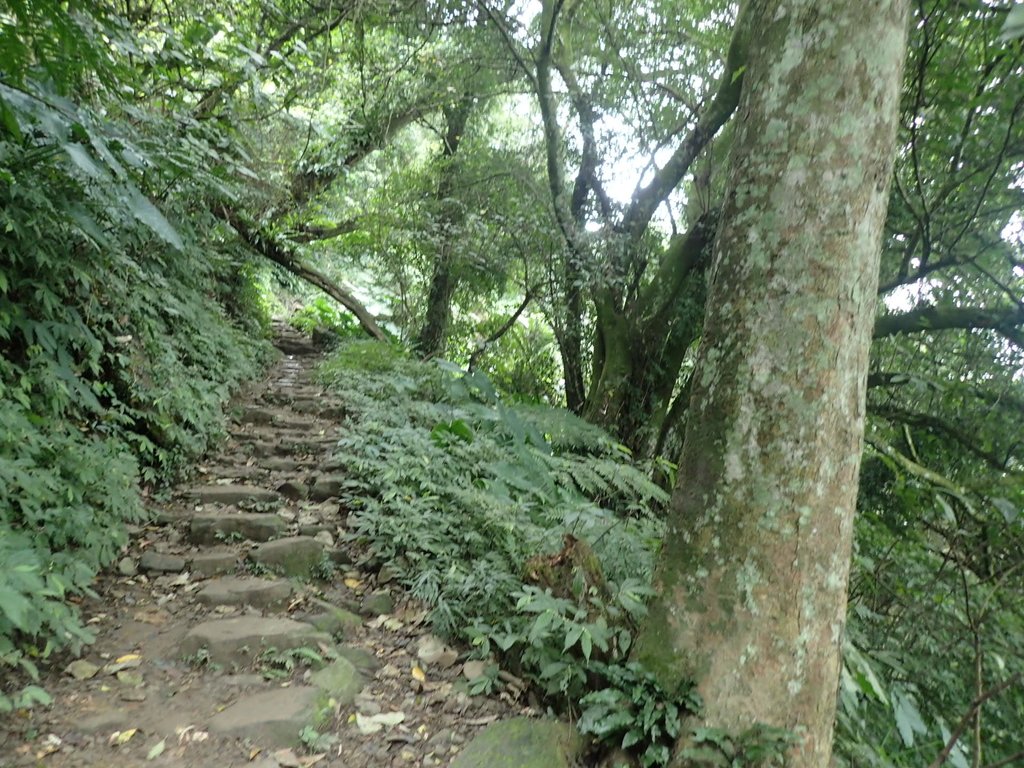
(459, 492)
(321, 315)
(122, 334)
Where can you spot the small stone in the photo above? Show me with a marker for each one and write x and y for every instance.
(126, 567)
(82, 669)
(325, 538)
(129, 678)
(275, 464)
(161, 563)
(433, 651)
(474, 669)
(377, 603)
(385, 575)
(132, 694)
(367, 704)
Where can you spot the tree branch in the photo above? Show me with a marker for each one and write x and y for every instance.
(931, 318)
(266, 246)
(966, 719)
(727, 97)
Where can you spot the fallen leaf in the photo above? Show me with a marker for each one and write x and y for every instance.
(353, 583)
(49, 745)
(254, 753)
(120, 738)
(418, 674)
(129, 658)
(156, 750)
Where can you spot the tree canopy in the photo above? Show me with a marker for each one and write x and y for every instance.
(531, 191)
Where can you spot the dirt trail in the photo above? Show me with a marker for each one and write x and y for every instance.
(240, 617)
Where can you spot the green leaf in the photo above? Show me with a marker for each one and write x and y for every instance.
(908, 718)
(1013, 27)
(147, 213)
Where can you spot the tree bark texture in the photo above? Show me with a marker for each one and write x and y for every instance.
(752, 581)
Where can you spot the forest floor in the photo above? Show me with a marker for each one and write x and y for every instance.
(241, 616)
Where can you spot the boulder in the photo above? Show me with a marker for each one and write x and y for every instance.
(522, 743)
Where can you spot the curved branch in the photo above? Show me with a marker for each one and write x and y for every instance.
(281, 255)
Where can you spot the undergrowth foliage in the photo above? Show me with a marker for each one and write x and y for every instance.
(529, 532)
(121, 333)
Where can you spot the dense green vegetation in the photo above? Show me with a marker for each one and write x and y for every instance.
(122, 334)
(451, 174)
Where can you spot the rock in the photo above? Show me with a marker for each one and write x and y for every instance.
(339, 681)
(367, 704)
(377, 603)
(271, 718)
(82, 669)
(155, 561)
(340, 557)
(232, 494)
(126, 567)
(293, 490)
(472, 670)
(237, 640)
(325, 488)
(257, 526)
(295, 556)
(361, 659)
(233, 590)
(522, 743)
(325, 538)
(433, 651)
(335, 621)
(207, 564)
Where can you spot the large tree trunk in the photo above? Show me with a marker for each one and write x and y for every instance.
(753, 575)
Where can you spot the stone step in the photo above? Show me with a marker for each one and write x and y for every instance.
(296, 556)
(245, 590)
(232, 494)
(276, 718)
(237, 641)
(255, 526)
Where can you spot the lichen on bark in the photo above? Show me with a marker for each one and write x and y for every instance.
(753, 574)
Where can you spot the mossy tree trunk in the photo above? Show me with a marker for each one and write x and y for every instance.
(752, 582)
